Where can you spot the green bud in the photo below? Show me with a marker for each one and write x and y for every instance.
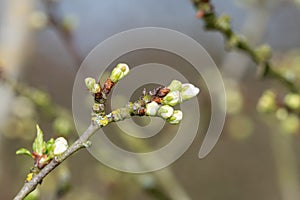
(176, 117)
(282, 114)
(232, 41)
(165, 111)
(291, 124)
(119, 72)
(263, 53)
(90, 83)
(292, 101)
(267, 102)
(172, 98)
(175, 86)
(224, 22)
(69, 23)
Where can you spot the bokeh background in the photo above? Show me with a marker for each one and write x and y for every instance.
(42, 44)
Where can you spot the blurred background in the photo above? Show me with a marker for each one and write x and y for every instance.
(42, 44)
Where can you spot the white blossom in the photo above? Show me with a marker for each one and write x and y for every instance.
(188, 91)
(60, 146)
(151, 108)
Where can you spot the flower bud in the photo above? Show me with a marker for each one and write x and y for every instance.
(263, 53)
(292, 101)
(151, 108)
(176, 117)
(60, 146)
(173, 98)
(165, 111)
(188, 91)
(267, 102)
(224, 22)
(90, 83)
(96, 89)
(119, 72)
(175, 85)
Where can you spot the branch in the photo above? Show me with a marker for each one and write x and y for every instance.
(63, 29)
(158, 102)
(77, 145)
(261, 55)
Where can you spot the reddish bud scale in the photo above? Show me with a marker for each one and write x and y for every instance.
(37, 158)
(163, 92)
(141, 111)
(107, 86)
(98, 97)
(156, 99)
(200, 14)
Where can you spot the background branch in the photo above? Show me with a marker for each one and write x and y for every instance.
(261, 55)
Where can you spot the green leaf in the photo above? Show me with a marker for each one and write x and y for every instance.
(23, 151)
(50, 148)
(39, 146)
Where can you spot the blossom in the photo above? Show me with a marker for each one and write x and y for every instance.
(60, 146)
(188, 91)
(151, 108)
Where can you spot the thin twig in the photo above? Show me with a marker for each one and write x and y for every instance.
(77, 145)
(65, 34)
(206, 11)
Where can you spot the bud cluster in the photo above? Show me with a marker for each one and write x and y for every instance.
(286, 109)
(163, 100)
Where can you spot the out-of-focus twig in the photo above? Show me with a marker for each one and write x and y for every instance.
(261, 55)
(64, 31)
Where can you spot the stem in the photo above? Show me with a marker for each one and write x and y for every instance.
(215, 23)
(77, 145)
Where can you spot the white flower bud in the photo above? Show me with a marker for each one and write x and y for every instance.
(172, 98)
(151, 108)
(119, 72)
(165, 111)
(188, 91)
(176, 117)
(90, 83)
(96, 88)
(60, 146)
(175, 85)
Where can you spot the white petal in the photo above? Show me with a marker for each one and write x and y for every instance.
(151, 108)
(189, 91)
(60, 145)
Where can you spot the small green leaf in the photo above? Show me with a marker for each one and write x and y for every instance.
(50, 148)
(39, 146)
(23, 151)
